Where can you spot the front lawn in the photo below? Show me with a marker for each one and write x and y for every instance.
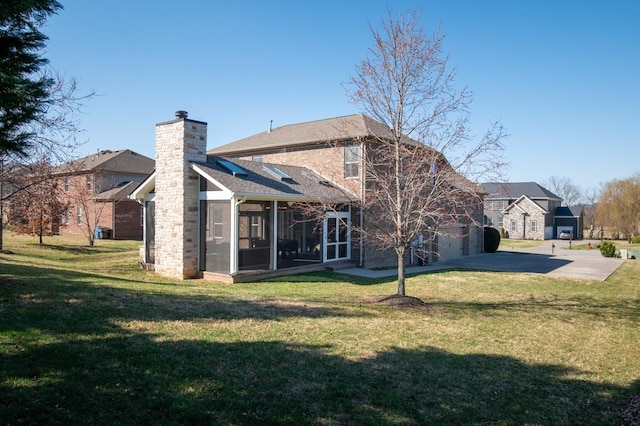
(510, 244)
(88, 338)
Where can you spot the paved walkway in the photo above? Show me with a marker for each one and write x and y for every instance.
(557, 261)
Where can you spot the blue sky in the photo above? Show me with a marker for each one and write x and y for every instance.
(562, 76)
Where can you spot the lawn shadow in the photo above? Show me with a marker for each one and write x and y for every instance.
(144, 379)
(64, 302)
(92, 369)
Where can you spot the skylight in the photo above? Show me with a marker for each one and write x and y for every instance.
(234, 169)
(276, 172)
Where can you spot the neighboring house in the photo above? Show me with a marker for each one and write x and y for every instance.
(571, 218)
(97, 187)
(233, 213)
(526, 210)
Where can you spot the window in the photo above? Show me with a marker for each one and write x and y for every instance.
(89, 182)
(351, 161)
(500, 223)
(66, 184)
(79, 213)
(533, 226)
(513, 225)
(232, 168)
(218, 224)
(255, 230)
(277, 172)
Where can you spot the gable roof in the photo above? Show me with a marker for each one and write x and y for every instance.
(572, 211)
(513, 190)
(518, 203)
(312, 132)
(121, 161)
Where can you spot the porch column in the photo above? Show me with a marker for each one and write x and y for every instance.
(274, 236)
(233, 238)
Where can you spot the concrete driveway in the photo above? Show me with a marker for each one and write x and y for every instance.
(563, 262)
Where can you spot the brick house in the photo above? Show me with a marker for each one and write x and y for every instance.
(526, 210)
(231, 213)
(96, 189)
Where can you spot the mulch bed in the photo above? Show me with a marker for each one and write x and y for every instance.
(398, 301)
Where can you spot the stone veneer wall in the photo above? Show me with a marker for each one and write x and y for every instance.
(523, 226)
(178, 142)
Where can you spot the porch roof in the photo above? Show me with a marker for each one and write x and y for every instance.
(256, 182)
(300, 183)
(119, 192)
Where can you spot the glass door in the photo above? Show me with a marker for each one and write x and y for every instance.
(337, 238)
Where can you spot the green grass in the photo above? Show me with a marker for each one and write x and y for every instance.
(508, 243)
(88, 338)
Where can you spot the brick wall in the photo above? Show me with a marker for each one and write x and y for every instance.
(127, 224)
(327, 161)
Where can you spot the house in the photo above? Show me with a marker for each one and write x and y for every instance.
(570, 218)
(233, 213)
(526, 210)
(95, 190)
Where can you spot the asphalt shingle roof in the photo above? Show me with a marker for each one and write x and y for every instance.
(327, 130)
(513, 190)
(303, 184)
(572, 211)
(121, 161)
(120, 192)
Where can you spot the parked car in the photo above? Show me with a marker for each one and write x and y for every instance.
(565, 235)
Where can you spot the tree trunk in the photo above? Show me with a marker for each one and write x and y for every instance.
(401, 287)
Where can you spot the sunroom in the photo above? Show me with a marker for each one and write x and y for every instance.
(256, 219)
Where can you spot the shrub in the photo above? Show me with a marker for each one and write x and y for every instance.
(491, 239)
(636, 240)
(608, 249)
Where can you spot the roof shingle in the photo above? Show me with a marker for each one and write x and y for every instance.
(513, 190)
(302, 183)
(312, 132)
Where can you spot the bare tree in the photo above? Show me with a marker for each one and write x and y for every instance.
(421, 175)
(55, 134)
(36, 207)
(619, 207)
(36, 104)
(564, 188)
(83, 186)
(590, 196)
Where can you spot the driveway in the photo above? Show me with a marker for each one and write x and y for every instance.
(558, 261)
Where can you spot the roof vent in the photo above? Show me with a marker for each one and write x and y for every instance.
(181, 114)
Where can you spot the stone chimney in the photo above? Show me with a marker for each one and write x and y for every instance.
(178, 142)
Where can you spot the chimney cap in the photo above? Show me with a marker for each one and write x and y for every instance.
(181, 114)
